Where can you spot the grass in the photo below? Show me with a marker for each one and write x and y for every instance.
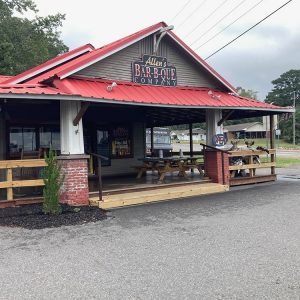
(284, 162)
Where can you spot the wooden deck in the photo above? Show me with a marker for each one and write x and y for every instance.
(116, 199)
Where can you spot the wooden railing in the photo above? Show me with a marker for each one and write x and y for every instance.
(18, 182)
(267, 160)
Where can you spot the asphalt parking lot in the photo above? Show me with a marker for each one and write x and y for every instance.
(243, 244)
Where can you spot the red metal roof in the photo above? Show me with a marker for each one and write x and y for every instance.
(50, 64)
(3, 78)
(128, 92)
(96, 54)
(34, 89)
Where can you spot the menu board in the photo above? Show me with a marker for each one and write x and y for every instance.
(121, 142)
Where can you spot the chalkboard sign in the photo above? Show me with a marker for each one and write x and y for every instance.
(154, 70)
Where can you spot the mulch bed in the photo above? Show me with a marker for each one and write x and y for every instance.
(32, 217)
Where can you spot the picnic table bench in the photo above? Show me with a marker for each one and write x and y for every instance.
(168, 164)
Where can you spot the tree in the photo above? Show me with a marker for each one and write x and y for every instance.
(25, 43)
(53, 182)
(285, 88)
(247, 93)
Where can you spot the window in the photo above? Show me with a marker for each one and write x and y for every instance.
(21, 139)
(50, 136)
(30, 139)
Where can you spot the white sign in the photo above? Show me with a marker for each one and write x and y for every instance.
(278, 132)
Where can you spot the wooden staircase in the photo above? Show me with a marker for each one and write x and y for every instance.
(121, 198)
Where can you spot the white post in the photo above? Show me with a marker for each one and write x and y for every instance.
(71, 137)
(213, 116)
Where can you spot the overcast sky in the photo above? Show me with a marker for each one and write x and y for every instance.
(253, 61)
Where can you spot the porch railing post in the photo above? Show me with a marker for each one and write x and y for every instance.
(9, 179)
(100, 178)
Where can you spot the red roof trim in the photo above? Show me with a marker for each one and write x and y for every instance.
(4, 78)
(95, 55)
(108, 50)
(50, 64)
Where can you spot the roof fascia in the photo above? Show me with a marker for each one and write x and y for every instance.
(195, 56)
(101, 57)
(50, 66)
(119, 102)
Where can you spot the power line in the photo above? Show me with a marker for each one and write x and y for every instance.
(220, 20)
(192, 13)
(249, 29)
(245, 13)
(184, 6)
(218, 7)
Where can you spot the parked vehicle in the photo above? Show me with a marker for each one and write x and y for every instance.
(161, 141)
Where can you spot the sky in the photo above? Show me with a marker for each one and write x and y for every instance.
(252, 61)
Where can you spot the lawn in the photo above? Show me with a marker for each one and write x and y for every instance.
(284, 162)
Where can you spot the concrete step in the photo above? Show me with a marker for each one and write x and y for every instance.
(163, 194)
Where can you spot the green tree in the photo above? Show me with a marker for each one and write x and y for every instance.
(286, 87)
(25, 43)
(247, 93)
(53, 182)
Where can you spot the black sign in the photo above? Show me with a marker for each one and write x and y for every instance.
(153, 70)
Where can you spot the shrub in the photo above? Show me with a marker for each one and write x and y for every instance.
(53, 182)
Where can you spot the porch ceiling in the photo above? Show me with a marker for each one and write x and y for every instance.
(158, 116)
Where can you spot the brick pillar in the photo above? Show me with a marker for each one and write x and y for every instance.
(213, 166)
(75, 189)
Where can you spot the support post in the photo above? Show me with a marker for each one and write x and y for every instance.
(73, 161)
(272, 141)
(191, 139)
(213, 116)
(152, 140)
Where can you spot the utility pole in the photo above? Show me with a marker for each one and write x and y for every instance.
(294, 119)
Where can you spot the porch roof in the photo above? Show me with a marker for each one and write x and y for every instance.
(128, 92)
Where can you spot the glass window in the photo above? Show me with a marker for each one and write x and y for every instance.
(50, 136)
(21, 138)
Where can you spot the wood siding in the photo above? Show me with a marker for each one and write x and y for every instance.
(125, 165)
(118, 65)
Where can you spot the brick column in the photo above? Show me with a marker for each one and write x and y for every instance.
(75, 189)
(213, 166)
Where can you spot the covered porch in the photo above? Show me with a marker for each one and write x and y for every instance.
(78, 128)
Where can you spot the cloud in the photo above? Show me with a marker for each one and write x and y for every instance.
(254, 68)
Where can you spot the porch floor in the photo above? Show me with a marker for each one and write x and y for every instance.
(119, 192)
(149, 181)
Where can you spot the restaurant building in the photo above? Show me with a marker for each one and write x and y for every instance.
(101, 101)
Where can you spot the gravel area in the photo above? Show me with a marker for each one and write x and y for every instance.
(243, 244)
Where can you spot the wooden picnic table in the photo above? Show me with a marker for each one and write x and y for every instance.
(164, 165)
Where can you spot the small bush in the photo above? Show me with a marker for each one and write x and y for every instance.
(53, 182)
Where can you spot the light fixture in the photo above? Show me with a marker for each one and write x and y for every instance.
(109, 88)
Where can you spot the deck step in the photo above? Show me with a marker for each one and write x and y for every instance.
(172, 193)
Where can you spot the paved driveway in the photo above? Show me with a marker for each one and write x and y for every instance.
(244, 244)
